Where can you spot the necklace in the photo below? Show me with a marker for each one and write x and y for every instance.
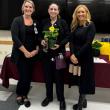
(53, 21)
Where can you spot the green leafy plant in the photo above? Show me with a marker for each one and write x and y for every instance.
(96, 48)
(96, 45)
(51, 36)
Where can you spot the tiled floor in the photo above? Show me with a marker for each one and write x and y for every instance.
(99, 101)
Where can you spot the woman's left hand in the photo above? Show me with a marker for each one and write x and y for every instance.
(73, 59)
(34, 52)
(56, 46)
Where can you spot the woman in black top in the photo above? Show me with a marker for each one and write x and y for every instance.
(25, 33)
(50, 70)
(82, 35)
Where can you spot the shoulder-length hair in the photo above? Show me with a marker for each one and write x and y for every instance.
(74, 22)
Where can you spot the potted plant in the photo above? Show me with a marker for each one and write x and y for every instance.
(96, 48)
(51, 36)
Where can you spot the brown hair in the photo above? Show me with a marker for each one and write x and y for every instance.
(58, 7)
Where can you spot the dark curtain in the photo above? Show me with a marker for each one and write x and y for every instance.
(3, 14)
(9, 9)
(14, 10)
(42, 8)
(100, 11)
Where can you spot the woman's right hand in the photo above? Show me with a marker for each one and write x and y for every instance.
(73, 59)
(43, 43)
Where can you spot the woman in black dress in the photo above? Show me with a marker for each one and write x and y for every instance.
(25, 34)
(82, 35)
(50, 71)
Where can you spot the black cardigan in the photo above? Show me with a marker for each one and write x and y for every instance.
(18, 36)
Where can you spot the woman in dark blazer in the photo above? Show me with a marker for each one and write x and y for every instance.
(50, 70)
(82, 35)
(25, 35)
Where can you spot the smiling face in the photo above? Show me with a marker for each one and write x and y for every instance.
(28, 8)
(81, 14)
(53, 10)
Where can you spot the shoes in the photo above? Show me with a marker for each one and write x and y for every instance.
(27, 103)
(19, 100)
(84, 105)
(46, 101)
(62, 105)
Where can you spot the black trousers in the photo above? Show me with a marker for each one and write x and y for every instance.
(25, 67)
(51, 75)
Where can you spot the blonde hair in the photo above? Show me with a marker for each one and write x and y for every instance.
(74, 22)
(29, 1)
